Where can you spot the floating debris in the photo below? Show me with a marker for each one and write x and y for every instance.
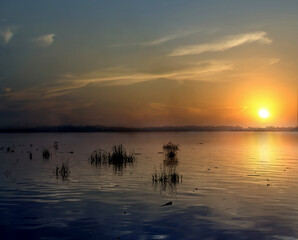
(167, 204)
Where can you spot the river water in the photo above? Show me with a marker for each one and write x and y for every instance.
(232, 185)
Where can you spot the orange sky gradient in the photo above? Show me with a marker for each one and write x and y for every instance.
(143, 64)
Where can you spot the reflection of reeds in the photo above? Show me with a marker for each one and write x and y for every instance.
(63, 171)
(117, 156)
(167, 178)
(46, 154)
(170, 149)
(164, 178)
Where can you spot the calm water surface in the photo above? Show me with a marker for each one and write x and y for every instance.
(234, 186)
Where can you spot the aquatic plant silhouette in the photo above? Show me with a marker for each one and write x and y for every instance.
(46, 154)
(167, 177)
(116, 156)
(170, 149)
(10, 149)
(63, 171)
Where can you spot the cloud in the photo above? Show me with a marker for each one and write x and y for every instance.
(223, 45)
(154, 42)
(273, 61)
(45, 40)
(164, 108)
(6, 35)
(119, 76)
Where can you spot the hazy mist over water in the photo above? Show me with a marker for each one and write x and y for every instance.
(233, 186)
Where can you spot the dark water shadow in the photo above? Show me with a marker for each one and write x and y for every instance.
(108, 222)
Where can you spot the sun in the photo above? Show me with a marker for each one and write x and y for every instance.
(264, 113)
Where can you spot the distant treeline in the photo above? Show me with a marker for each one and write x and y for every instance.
(147, 129)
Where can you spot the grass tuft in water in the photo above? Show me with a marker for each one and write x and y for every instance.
(170, 149)
(116, 156)
(46, 154)
(63, 171)
(98, 157)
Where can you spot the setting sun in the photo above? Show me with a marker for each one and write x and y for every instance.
(264, 113)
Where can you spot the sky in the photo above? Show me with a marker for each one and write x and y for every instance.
(141, 63)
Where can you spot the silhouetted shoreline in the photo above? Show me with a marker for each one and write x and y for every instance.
(147, 129)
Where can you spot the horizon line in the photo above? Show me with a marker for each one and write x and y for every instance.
(100, 128)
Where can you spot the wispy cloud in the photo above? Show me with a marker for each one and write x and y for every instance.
(165, 109)
(273, 61)
(223, 44)
(125, 77)
(119, 76)
(6, 34)
(45, 40)
(155, 41)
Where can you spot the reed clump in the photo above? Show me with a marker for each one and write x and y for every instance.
(170, 149)
(98, 157)
(30, 155)
(63, 171)
(46, 154)
(117, 155)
